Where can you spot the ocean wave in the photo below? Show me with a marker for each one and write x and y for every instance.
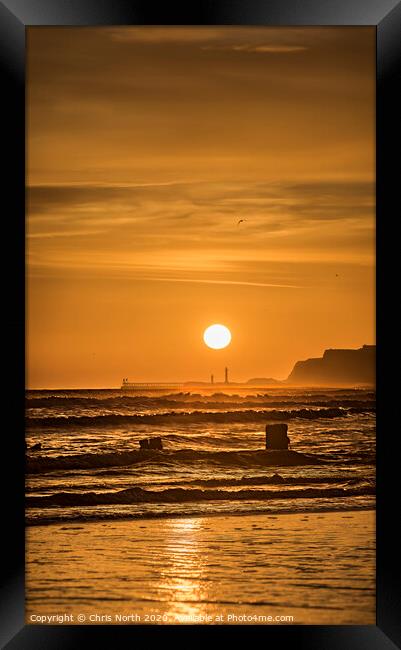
(192, 417)
(40, 464)
(37, 517)
(195, 401)
(274, 479)
(137, 495)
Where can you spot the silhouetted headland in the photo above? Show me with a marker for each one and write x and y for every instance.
(336, 368)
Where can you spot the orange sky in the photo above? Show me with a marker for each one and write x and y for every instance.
(145, 147)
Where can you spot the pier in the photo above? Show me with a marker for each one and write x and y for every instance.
(190, 387)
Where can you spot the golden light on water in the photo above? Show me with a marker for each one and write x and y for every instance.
(183, 584)
(217, 336)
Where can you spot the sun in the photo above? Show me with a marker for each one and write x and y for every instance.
(217, 336)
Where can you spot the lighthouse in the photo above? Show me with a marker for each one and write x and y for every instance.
(226, 375)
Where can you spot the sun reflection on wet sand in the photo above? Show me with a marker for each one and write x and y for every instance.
(317, 567)
(183, 583)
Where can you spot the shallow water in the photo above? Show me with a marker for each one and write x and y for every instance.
(302, 568)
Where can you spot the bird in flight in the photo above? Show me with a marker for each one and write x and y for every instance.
(240, 221)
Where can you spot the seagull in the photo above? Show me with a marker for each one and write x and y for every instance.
(240, 221)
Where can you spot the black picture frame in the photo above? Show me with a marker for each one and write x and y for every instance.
(15, 17)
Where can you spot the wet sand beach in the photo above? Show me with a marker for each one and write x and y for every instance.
(312, 568)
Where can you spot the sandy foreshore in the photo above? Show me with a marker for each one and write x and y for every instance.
(315, 568)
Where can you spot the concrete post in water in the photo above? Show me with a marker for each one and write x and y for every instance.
(151, 443)
(276, 436)
(155, 443)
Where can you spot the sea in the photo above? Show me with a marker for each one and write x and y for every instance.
(84, 463)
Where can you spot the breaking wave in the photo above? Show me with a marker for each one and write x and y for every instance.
(180, 400)
(193, 417)
(182, 495)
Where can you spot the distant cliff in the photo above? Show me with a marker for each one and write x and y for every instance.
(337, 368)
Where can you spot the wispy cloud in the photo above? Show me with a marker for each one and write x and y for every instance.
(63, 233)
(216, 39)
(202, 207)
(184, 34)
(188, 231)
(262, 48)
(225, 282)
